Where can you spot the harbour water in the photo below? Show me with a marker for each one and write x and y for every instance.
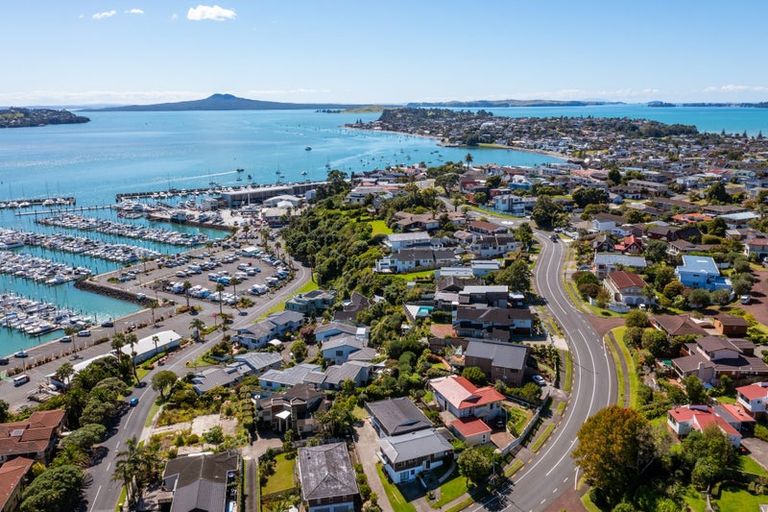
(140, 151)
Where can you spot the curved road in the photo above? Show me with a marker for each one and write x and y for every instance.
(103, 492)
(552, 471)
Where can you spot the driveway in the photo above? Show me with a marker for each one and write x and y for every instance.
(367, 444)
(757, 305)
(758, 450)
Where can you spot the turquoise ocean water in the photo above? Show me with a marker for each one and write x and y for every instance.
(123, 152)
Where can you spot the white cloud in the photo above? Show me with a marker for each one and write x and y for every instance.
(134, 11)
(211, 13)
(104, 14)
(737, 88)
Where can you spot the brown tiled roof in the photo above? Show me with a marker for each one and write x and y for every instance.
(30, 436)
(623, 279)
(11, 475)
(675, 325)
(732, 321)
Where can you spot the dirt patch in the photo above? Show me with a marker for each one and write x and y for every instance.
(570, 500)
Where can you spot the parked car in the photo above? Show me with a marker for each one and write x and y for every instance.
(133, 402)
(84, 333)
(538, 379)
(745, 299)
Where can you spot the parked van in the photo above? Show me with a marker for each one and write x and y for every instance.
(20, 379)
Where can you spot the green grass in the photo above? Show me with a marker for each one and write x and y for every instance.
(282, 479)
(309, 286)
(142, 372)
(634, 379)
(619, 371)
(461, 505)
(428, 397)
(121, 499)
(567, 385)
(151, 414)
(394, 495)
(513, 468)
(726, 399)
(519, 418)
(380, 228)
(359, 413)
(542, 438)
(734, 499)
(560, 408)
(412, 276)
(748, 465)
(451, 489)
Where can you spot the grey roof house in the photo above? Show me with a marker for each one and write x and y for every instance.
(499, 361)
(201, 483)
(396, 416)
(327, 478)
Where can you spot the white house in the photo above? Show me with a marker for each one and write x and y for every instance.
(626, 288)
(463, 399)
(339, 348)
(151, 345)
(398, 241)
(753, 397)
(407, 455)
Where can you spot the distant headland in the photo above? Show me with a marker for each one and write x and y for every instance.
(224, 102)
(664, 104)
(29, 117)
(512, 103)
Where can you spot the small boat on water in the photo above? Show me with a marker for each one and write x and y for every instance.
(308, 148)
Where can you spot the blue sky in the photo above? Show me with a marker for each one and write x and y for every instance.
(143, 51)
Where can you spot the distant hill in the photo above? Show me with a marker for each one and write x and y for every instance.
(513, 103)
(222, 102)
(762, 104)
(25, 117)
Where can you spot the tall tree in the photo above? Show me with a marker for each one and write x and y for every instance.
(615, 447)
(163, 381)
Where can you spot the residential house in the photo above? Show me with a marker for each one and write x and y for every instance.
(405, 456)
(33, 438)
(203, 482)
(150, 346)
(351, 307)
(327, 478)
(701, 272)
(481, 268)
(492, 322)
(407, 260)
(499, 361)
(358, 372)
(399, 241)
(489, 295)
(416, 221)
(606, 222)
(672, 233)
(396, 416)
(14, 475)
(256, 335)
(605, 263)
(473, 431)
(293, 409)
(680, 247)
(463, 399)
(682, 420)
(710, 357)
(514, 204)
(338, 348)
(753, 397)
(627, 288)
(630, 245)
(676, 325)
(739, 219)
(286, 321)
(260, 362)
(491, 246)
(311, 303)
(481, 227)
(325, 331)
(278, 379)
(731, 326)
(757, 247)
(217, 376)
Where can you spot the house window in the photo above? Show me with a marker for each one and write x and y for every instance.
(339, 353)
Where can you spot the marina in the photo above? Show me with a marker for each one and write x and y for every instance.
(51, 202)
(40, 270)
(71, 221)
(120, 253)
(36, 318)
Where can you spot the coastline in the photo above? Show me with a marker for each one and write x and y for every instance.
(440, 143)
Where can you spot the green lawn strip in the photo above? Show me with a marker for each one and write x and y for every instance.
(494, 213)
(619, 371)
(734, 499)
(121, 499)
(748, 465)
(461, 505)
(519, 417)
(726, 400)
(542, 438)
(282, 479)
(280, 306)
(513, 468)
(634, 379)
(411, 276)
(568, 382)
(394, 495)
(560, 408)
(154, 408)
(451, 489)
(379, 227)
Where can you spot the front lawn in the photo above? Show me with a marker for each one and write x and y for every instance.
(748, 465)
(282, 479)
(412, 276)
(734, 499)
(380, 228)
(394, 495)
(518, 418)
(451, 489)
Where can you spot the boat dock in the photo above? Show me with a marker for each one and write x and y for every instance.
(80, 209)
(12, 204)
(41, 270)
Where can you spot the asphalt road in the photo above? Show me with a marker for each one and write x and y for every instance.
(553, 471)
(102, 493)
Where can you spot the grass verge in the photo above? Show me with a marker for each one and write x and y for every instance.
(619, 371)
(632, 377)
(542, 438)
(395, 497)
(153, 410)
(461, 505)
(513, 468)
(568, 382)
(451, 490)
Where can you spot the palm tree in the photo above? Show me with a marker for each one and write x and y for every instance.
(186, 286)
(71, 331)
(220, 290)
(152, 305)
(131, 339)
(235, 282)
(225, 317)
(156, 340)
(127, 470)
(197, 325)
(277, 249)
(64, 373)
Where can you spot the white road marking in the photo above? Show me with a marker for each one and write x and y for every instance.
(94, 499)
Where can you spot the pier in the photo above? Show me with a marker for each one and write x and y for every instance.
(65, 210)
(12, 204)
